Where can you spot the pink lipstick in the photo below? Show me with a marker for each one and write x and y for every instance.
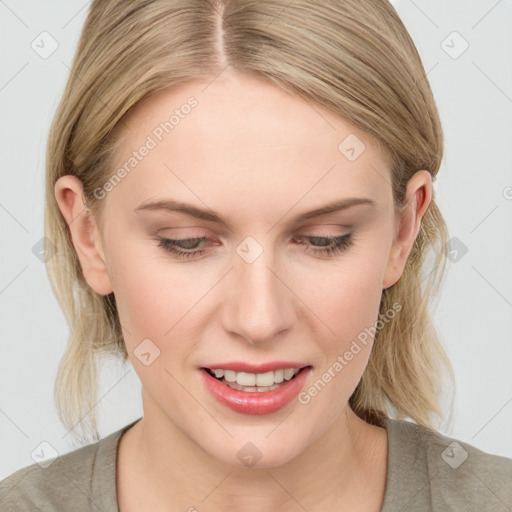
(256, 401)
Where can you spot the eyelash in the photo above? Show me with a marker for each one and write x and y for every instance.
(340, 245)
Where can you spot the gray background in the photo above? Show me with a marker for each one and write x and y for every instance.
(473, 90)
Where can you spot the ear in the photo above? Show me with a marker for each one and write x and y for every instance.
(84, 232)
(418, 198)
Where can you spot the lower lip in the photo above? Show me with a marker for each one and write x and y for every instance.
(264, 402)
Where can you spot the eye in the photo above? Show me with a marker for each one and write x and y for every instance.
(176, 246)
(320, 245)
(334, 244)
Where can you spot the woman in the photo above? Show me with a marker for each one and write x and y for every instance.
(241, 194)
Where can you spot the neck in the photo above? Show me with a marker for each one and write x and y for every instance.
(347, 462)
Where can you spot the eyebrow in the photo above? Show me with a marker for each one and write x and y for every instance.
(211, 216)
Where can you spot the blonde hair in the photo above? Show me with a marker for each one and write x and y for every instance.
(355, 58)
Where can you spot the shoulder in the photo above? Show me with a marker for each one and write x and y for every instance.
(82, 479)
(52, 483)
(431, 468)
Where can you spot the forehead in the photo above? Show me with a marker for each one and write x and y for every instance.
(240, 140)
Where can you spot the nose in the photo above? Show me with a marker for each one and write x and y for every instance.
(259, 301)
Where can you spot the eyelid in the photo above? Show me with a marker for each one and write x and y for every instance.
(341, 229)
(338, 245)
(208, 240)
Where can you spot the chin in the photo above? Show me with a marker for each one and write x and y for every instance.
(256, 452)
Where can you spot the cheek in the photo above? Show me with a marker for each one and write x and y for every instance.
(347, 302)
(346, 296)
(152, 294)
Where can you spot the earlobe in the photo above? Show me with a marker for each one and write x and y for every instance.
(418, 198)
(84, 233)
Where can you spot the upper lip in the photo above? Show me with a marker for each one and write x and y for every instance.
(239, 366)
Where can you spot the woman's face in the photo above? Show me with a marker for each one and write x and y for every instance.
(255, 281)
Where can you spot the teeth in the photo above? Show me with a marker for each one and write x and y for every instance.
(246, 379)
(278, 376)
(289, 373)
(263, 379)
(230, 375)
(256, 379)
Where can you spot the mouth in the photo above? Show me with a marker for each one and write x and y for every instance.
(254, 382)
(255, 393)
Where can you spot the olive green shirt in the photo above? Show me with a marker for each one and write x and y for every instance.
(426, 471)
